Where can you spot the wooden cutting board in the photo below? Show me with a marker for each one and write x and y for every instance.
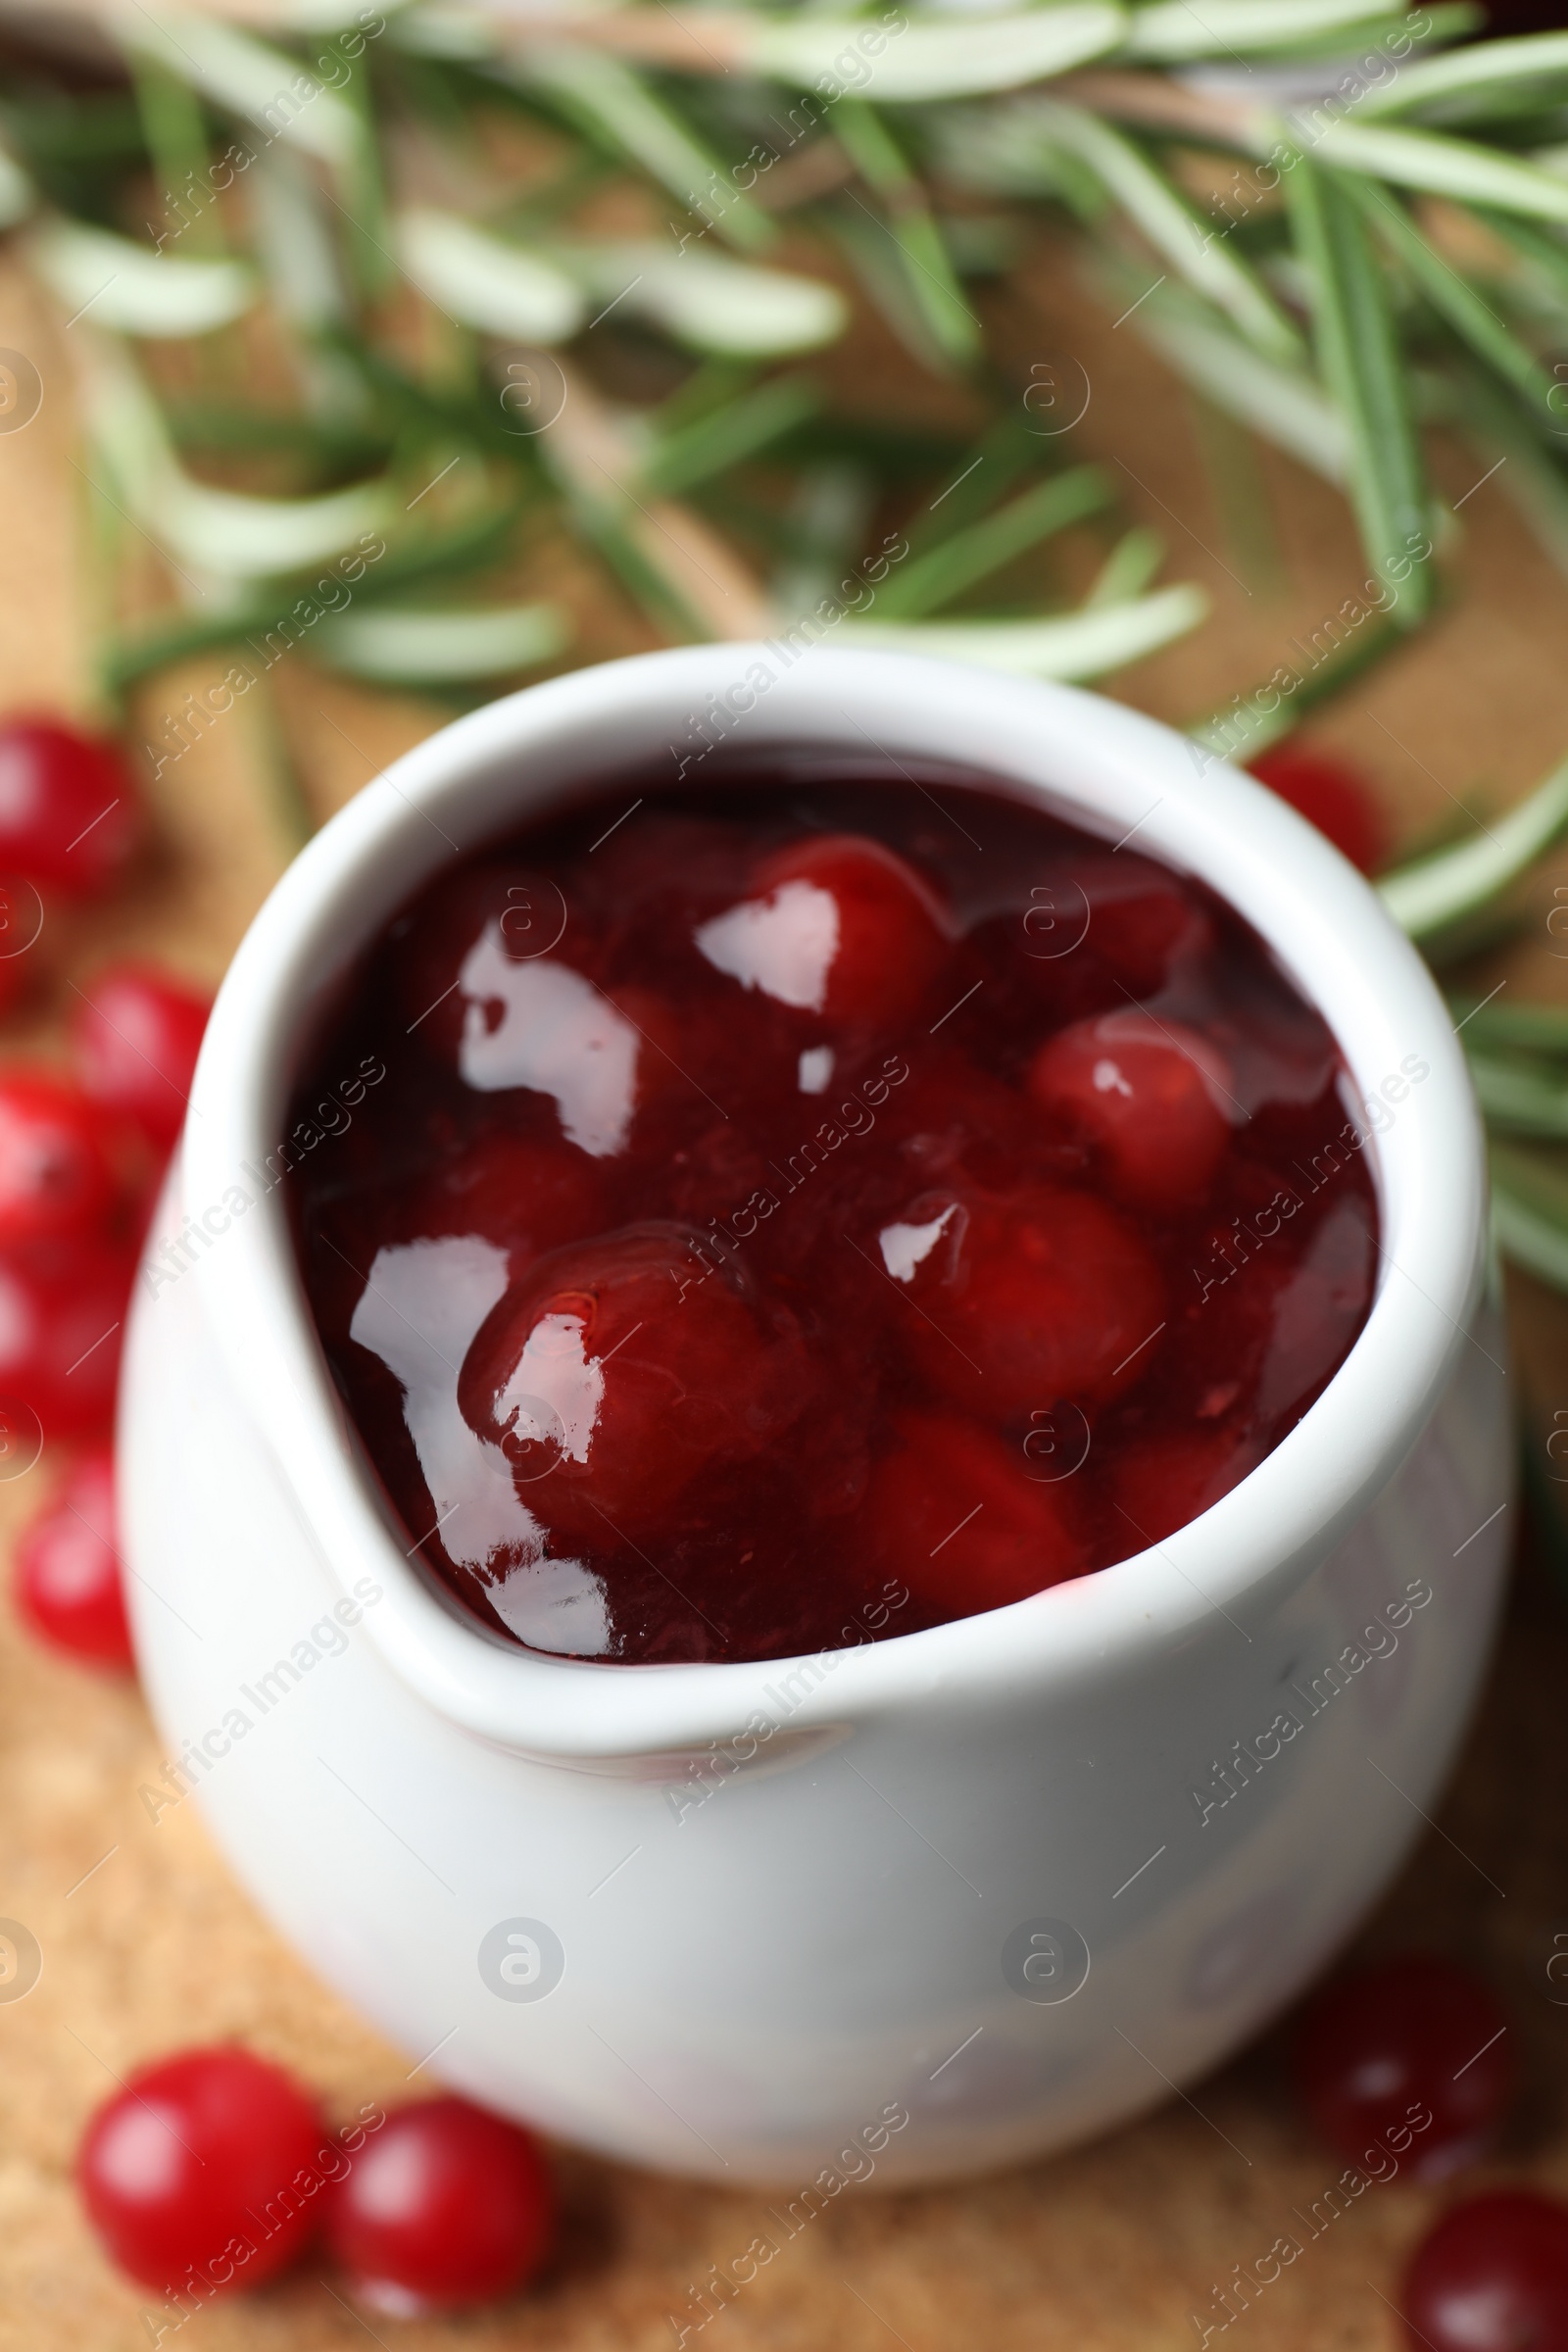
(149, 1944)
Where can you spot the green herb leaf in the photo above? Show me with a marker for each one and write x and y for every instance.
(1512, 1028)
(707, 299)
(1358, 351)
(441, 647)
(221, 533)
(617, 105)
(1210, 266)
(1454, 298)
(928, 581)
(1128, 569)
(912, 226)
(367, 223)
(293, 244)
(1458, 167)
(175, 129)
(1517, 1101)
(1468, 77)
(890, 279)
(1077, 645)
(1530, 1213)
(1281, 405)
(121, 285)
(247, 77)
(727, 435)
(977, 477)
(485, 282)
(1171, 31)
(1433, 895)
(925, 60)
(17, 194)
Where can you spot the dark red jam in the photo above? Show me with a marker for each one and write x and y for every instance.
(817, 1207)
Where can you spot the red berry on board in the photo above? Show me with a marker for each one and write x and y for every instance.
(61, 1315)
(69, 1582)
(617, 1369)
(1330, 795)
(1026, 1302)
(192, 2174)
(838, 926)
(1153, 1096)
(135, 1037)
(1492, 2277)
(956, 1516)
(70, 812)
(1380, 2050)
(445, 2206)
(56, 1179)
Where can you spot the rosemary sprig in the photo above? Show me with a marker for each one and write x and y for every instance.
(478, 367)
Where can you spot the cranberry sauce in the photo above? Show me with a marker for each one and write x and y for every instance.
(815, 1207)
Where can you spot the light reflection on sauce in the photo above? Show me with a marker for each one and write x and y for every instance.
(783, 946)
(418, 1312)
(557, 1033)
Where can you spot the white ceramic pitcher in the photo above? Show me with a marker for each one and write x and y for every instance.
(930, 1904)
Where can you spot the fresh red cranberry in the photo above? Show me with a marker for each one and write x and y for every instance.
(194, 2174)
(446, 2206)
(956, 1515)
(56, 1178)
(1403, 2041)
(965, 1128)
(61, 1315)
(617, 1370)
(1153, 1096)
(1027, 1302)
(1492, 2277)
(838, 926)
(1328, 793)
(68, 1583)
(1163, 1482)
(135, 1037)
(70, 812)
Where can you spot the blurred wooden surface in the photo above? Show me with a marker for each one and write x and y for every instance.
(149, 1944)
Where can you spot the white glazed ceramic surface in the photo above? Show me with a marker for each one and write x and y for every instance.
(728, 1919)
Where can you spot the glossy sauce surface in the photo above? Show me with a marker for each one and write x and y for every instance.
(815, 1207)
